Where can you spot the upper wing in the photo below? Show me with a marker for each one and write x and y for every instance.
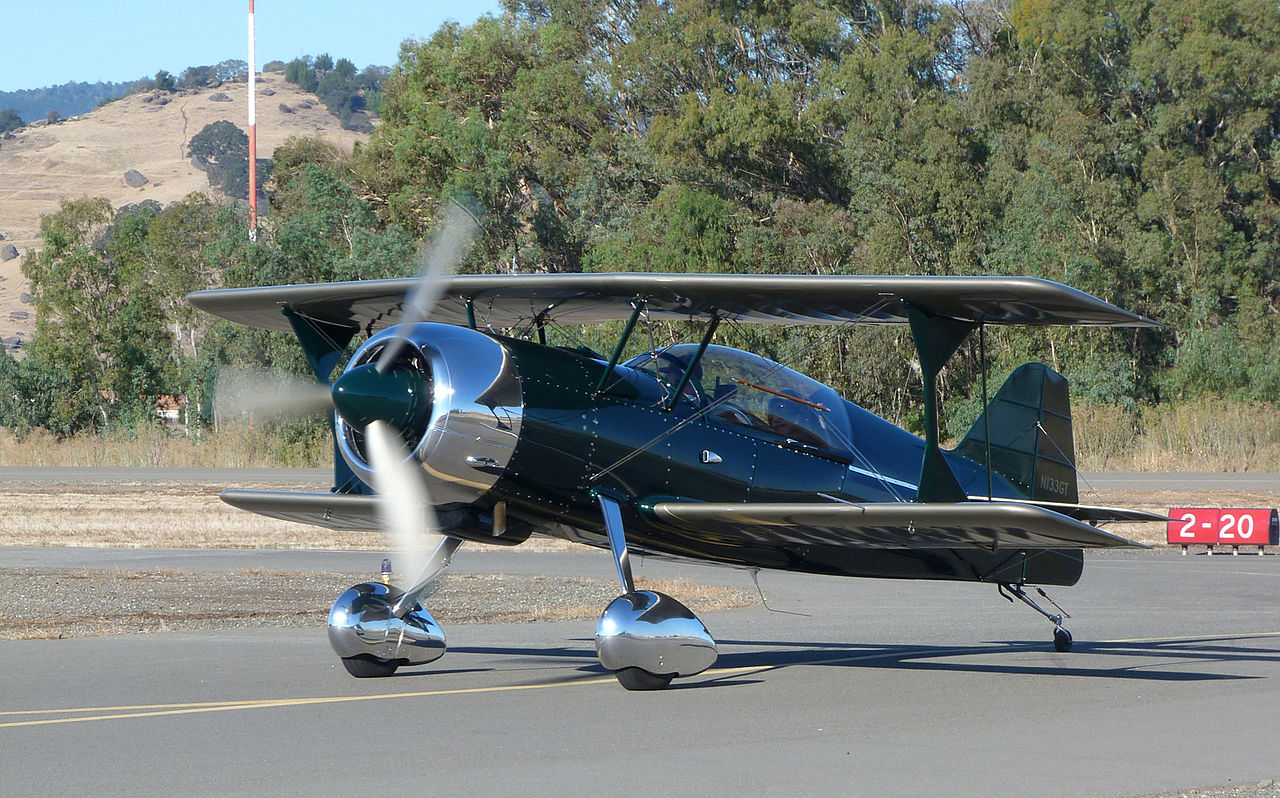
(906, 525)
(503, 301)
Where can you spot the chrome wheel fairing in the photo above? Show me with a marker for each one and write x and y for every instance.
(655, 633)
(475, 409)
(361, 623)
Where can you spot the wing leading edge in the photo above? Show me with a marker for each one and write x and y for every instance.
(505, 301)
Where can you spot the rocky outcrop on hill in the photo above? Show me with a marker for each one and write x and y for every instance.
(135, 179)
(8, 252)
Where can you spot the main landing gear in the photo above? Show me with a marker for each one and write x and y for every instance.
(1061, 637)
(377, 628)
(647, 638)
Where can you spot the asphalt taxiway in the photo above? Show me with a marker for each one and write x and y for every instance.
(844, 687)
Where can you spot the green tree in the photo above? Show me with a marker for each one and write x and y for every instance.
(224, 149)
(194, 77)
(97, 320)
(501, 113)
(164, 81)
(9, 120)
(300, 72)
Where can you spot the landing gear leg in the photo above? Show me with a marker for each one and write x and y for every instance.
(377, 628)
(1061, 637)
(647, 638)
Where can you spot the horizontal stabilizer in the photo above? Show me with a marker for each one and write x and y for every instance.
(895, 525)
(1091, 513)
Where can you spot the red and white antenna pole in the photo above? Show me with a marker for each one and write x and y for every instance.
(253, 137)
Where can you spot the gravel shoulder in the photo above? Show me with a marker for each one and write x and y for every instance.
(1268, 788)
(58, 603)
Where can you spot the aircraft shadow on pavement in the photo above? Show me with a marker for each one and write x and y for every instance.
(1140, 660)
(1214, 658)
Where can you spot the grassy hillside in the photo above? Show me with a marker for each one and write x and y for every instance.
(88, 155)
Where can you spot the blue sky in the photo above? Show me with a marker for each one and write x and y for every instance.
(49, 42)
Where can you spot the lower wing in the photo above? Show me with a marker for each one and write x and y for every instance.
(904, 525)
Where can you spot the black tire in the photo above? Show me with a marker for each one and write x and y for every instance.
(1062, 639)
(364, 666)
(641, 679)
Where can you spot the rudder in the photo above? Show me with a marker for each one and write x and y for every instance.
(1031, 437)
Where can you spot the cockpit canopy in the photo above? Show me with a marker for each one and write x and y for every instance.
(742, 388)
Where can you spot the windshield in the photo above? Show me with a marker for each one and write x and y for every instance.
(749, 390)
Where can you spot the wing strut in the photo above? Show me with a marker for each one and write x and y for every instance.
(986, 420)
(693, 361)
(937, 338)
(323, 343)
(637, 309)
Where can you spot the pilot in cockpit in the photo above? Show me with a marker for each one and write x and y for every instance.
(672, 368)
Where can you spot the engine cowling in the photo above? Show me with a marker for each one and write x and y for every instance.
(453, 393)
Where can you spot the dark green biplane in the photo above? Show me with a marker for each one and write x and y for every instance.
(695, 451)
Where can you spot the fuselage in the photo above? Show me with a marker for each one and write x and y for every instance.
(743, 430)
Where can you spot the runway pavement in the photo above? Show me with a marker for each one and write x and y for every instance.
(850, 687)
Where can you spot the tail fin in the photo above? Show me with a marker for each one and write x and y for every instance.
(1031, 442)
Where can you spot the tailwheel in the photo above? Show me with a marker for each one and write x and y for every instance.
(1061, 639)
(363, 666)
(641, 679)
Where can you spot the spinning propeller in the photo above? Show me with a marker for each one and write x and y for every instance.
(389, 401)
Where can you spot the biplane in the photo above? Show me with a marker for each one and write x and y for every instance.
(695, 450)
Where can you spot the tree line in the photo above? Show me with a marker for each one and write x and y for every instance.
(68, 99)
(1126, 148)
(74, 98)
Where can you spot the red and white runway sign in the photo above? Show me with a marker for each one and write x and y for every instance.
(1234, 527)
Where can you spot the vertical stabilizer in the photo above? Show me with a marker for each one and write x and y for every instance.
(1029, 422)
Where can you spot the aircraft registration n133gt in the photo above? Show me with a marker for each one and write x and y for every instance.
(695, 451)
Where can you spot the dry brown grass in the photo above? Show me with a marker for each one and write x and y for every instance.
(157, 447)
(699, 598)
(1212, 436)
(170, 515)
(167, 515)
(1207, 435)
